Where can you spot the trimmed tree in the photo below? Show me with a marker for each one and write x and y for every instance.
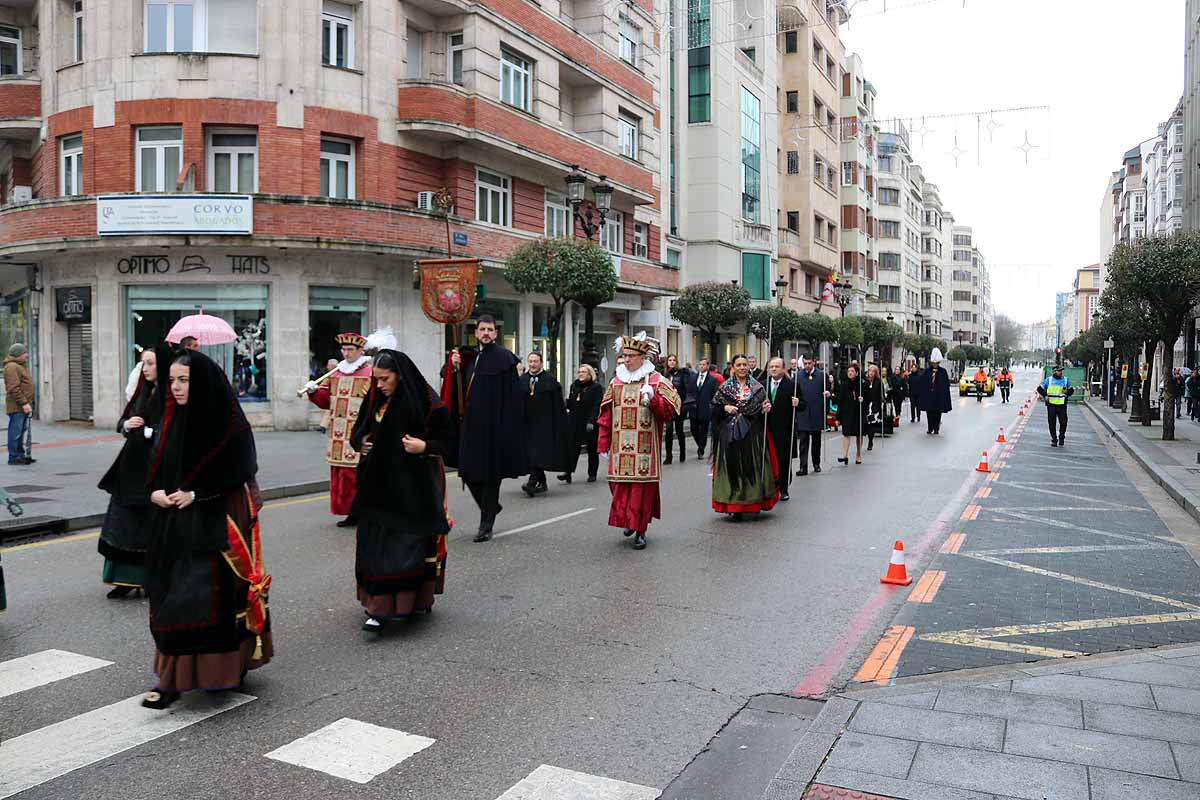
(816, 329)
(566, 270)
(708, 307)
(782, 323)
(881, 335)
(849, 332)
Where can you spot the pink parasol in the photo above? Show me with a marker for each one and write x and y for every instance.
(207, 330)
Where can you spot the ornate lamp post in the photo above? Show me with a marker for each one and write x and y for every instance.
(591, 217)
(845, 294)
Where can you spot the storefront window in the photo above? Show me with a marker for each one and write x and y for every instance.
(14, 322)
(542, 343)
(507, 314)
(153, 310)
(333, 310)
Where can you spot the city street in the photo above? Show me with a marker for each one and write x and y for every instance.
(555, 644)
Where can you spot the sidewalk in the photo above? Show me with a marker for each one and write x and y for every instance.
(1173, 465)
(59, 491)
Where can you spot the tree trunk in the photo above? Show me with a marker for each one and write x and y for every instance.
(554, 326)
(712, 337)
(1151, 347)
(1168, 371)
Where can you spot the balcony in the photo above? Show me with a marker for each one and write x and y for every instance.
(789, 244)
(863, 284)
(20, 108)
(447, 113)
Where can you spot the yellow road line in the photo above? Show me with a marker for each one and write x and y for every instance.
(970, 512)
(927, 587)
(883, 659)
(78, 537)
(984, 492)
(954, 543)
(986, 637)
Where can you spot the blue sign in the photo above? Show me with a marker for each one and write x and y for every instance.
(460, 238)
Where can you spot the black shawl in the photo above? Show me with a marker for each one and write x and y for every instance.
(738, 426)
(396, 488)
(126, 478)
(545, 421)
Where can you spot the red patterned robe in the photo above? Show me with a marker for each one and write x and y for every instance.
(632, 436)
(342, 394)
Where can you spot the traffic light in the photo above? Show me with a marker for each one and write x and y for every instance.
(1058, 356)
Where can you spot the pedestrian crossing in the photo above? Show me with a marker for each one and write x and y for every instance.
(346, 749)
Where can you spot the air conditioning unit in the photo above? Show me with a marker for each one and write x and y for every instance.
(425, 201)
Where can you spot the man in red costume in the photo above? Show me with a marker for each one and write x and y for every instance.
(635, 406)
(342, 393)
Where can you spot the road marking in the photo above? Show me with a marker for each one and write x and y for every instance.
(984, 492)
(1054, 523)
(993, 478)
(39, 669)
(927, 587)
(45, 754)
(970, 512)
(533, 525)
(953, 544)
(1030, 488)
(16, 548)
(1087, 548)
(353, 750)
(555, 783)
(883, 659)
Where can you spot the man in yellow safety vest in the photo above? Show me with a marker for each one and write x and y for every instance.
(1055, 390)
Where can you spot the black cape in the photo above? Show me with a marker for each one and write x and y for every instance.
(583, 409)
(490, 440)
(126, 531)
(546, 432)
(931, 390)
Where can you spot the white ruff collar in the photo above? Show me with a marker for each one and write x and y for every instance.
(349, 368)
(633, 377)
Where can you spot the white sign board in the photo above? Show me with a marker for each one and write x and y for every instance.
(1109, 344)
(132, 214)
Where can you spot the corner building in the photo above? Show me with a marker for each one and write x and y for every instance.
(332, 122)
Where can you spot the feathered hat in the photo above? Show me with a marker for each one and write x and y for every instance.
(642, 343)
(382, 339)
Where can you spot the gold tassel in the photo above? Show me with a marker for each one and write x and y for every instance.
(258, 654)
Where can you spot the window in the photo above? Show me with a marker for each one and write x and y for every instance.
(793, 221)
(962, 239)
(1178, 184)
(818, 173)
(493, 198)
(10, 51)
(558, 214)
(77, 33)
(641, 240)
(756, 275)
(751, 168)
(674, 259)
(630, 42)
(889, 261)
(793, 162)
(818, 54)
(170, 26)
(159, 155)
(516, 80)
(889, 229)
(790, 42)
(750, 53)
(455, 51)
(699, 23)
(818, 227)
(848, 173)
(1139, 208)
(414, 53)
(627, 135)
(699, 85)
(962, 255)
(833, 232)
(71, 166)
(233, 161)
(889, 294)
(337, 168)
(889, 197)
(810, 284)
(793, 102)
(962, 296)
(337, 35)
(332, 310)
(612, 235)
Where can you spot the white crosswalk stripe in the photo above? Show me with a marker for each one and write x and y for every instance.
(51, 752)
(350, 749)
(39, 669)
(554, 783)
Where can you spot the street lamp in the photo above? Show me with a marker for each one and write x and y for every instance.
(1107, 356)
(590, 218)
(845, 293)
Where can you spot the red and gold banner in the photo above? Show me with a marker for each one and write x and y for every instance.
(448, 288)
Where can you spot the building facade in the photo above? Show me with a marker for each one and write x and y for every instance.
(1165, 177)
(936, 270)
(859, 133)
(1191, 116)
(331, 124)
(898, 231)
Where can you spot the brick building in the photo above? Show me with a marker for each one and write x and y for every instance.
(328, 121)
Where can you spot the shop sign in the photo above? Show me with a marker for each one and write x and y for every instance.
(127, 215)
(158, 264)
(73, 304)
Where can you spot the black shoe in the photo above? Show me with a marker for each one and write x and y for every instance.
(639, 542)
(700, 453)
(800, 473)
(528, 488)
(372, 625)
(843, 461)
(591, 479)
(783, 497)
(736, 516)
(565, 477)
(349, 522)
(1054, 443)
(682, 456)
(667, 460)
(1062, 441)
(627, 532)
(484, 535)
(117, 592)
(817, 468)
(870, 445)
(540, 488)
(159, 700)
(28, 460)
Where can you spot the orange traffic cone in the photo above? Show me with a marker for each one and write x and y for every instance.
(1021, 413)
(1000, 438)
(897, 573)
(983, 463)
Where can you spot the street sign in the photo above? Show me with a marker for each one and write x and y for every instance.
(1109, 344)
(73, 304)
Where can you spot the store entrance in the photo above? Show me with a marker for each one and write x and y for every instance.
(79, 350)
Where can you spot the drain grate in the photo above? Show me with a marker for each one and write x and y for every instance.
(22, 488)
(27, 525)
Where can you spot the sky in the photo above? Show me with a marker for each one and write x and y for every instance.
(1106, 71)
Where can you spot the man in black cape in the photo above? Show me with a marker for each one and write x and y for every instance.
(785, 407)
(932, 392)
(545, 426)
(810, 422)
(490, 446)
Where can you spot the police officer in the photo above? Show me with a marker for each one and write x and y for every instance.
(1055, 390)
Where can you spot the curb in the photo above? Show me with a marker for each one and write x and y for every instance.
(1178, 492)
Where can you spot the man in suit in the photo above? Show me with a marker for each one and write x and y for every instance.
(707, 382)
(755, 371)
(810, 424)
(782, 408)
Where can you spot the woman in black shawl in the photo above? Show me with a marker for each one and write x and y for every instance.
(583, 410)
(745, 470)
(851, 417)
(204, 571)
(126, 531)
(402, 431)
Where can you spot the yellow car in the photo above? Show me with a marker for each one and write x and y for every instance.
(966, 384)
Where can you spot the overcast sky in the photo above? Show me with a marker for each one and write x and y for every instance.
(1109, 70)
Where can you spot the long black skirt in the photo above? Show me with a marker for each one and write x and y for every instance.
(124, 539)
(397, 571)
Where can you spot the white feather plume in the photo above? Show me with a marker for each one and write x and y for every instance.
(382, 339)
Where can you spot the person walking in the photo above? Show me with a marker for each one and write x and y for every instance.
(684, 382)
(402, 432)
(745, 469)
(1004, 381)
(873, 400)
(545, 427)
(125, 534)
(850, 413)
(1193, 390)
(583, 409)
(204, 569)
(708, 380)
(18, 402)
(636, 405)
(932, 392)
(490, 444)
(911, 370)
(980, 380)
(1055, 390)
(810, 417)
(783, 407)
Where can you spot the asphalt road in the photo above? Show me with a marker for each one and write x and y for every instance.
(554, 645)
